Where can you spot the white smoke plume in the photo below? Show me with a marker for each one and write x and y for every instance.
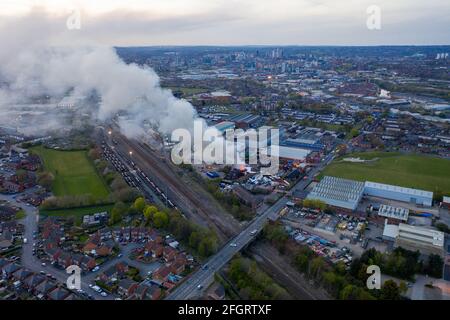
(40, 57)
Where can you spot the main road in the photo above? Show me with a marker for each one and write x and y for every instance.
(201, 279)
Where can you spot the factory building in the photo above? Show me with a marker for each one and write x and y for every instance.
(338, 192)
(312, 144)
(426, 240)
(224, 126)
(386, 191)
(287, 153)
(446, 202)
(346, 194)
(247, 120)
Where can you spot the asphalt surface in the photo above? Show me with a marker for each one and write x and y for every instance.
(194, 286)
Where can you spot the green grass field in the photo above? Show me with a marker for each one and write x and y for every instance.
(74, 173)
(414, 171)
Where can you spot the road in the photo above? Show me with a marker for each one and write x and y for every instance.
(188, 289)
(31, 262)
(201, 279)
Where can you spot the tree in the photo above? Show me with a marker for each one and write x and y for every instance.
(160, 219)
(316, 267)
(403, 287)
(118, 183)
(149, 211)
(21, 175)
(45, 179)
(94, 154)
(352, 292)
(117, 212)
(442, 227)
(390, 291)
(194, 239)
(434, 266)
(206, 247)
(125, 195)
(139, 204)
(314, 204)
(276, 235)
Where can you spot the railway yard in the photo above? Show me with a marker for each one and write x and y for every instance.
(142, 168)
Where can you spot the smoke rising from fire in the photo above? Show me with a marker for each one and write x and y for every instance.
(41, 58)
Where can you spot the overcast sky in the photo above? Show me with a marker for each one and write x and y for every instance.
(239, 22)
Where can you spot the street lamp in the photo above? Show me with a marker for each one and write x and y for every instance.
(131, 153)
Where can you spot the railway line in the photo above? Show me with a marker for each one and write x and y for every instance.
(159, 176)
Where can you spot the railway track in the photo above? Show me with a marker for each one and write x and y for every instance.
(189, 202)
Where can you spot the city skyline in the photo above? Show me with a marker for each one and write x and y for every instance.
(286, 22)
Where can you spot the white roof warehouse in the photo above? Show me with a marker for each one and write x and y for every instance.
(345, 193)
(338, 192)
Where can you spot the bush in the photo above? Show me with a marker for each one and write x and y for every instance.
(201, 240)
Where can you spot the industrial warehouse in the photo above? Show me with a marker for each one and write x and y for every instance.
(347, 194)
(338, 192)
(399, 230)
(427, 240)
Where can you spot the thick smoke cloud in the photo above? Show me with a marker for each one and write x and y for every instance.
(39, 56)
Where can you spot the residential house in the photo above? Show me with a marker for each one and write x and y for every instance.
(127, 287)
(32, 282)
(21, 274)
(169, 254)
(84, 262)
(178, 265)
(153, 292)
(45, 287)
(58, 294)
(9, 269)
(65, 259)
(140, 292)
(162, 273)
